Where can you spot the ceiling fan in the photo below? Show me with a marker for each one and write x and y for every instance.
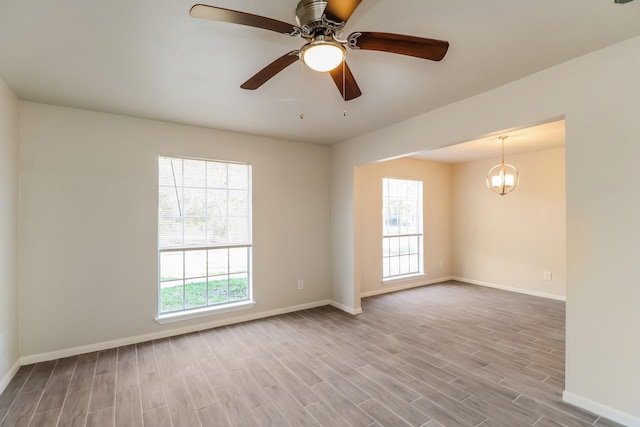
(320, 24)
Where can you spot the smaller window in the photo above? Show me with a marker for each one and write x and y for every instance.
(401, 228)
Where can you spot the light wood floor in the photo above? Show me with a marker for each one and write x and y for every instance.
(449, 354)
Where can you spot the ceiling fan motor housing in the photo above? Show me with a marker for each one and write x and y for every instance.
(309, 17)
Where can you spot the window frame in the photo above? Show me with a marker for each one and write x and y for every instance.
(418, 234)
(209, 308)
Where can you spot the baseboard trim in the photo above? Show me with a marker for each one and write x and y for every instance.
(351, 310)
(74, 351)
(510, 288)
(402, 287)
(600, 409)
(4, 382)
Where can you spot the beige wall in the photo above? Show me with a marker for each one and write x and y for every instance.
(436, 179)
(510, 241)
(88, 210)
(8, 233)
(598, 95)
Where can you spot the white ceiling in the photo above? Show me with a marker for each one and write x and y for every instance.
(148, 58)
(535, 138)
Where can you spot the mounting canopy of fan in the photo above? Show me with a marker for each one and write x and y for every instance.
(320, 24)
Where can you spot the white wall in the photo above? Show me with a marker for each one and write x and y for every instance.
(88, 210)
(436, 179)
(8, 233)
(598, 95)
(510, 241)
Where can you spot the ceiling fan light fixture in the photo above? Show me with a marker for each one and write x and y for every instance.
(322, 55)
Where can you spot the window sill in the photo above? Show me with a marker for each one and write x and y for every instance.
(400, 279)
(202, 312)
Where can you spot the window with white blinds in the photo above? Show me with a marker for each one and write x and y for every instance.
(204, 233)
(401, 228)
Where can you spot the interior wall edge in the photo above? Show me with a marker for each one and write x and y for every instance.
(4, 382)
(402, 287)
(510, 288)
(99, 346)
(601, 409)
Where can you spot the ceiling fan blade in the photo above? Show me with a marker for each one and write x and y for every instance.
(204, 11)
(340, 10)
(351, 89)
(418, 47)
(264, 75)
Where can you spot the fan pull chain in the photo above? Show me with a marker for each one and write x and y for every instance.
(344, 89)
(301, 90)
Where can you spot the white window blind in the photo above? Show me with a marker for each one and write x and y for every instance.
(204, 233)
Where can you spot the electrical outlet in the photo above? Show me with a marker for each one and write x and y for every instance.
(547, 276)
(300, 284)
(441, 263)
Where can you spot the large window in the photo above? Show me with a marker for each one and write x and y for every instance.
(401, 228)
(204, 236)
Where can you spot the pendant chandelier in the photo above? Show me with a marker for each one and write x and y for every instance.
(503, 177)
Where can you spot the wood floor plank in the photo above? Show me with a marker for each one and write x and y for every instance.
(382, 415)
(146, 358)
(548, 412)
(343, 369)
(39, 377)
(181, 409)
(54, 393)
(300, 391)
(127, 375)
(260, 374)
(101, 418)
(65, 366)
(300, 369)
(402, 391)
(12, 390)
(386, 364)
(269, 416)
(439, 414)
(507, 414)
(423, 379)
(46, 419)
(202, 394)
(234, 408)
(76, 406)
(83, 374)
(344, 386)
(290, 407)
(22, 409)
(213, 416)
(107, 361)
(128, 408)
(103, 393)
(426, 366)
(452, 405)
(326, 416)
(251, 392)
(151, 391)
(354, 415)
(548, 400)
(404, 410)
(126, 352)
(158, 417)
